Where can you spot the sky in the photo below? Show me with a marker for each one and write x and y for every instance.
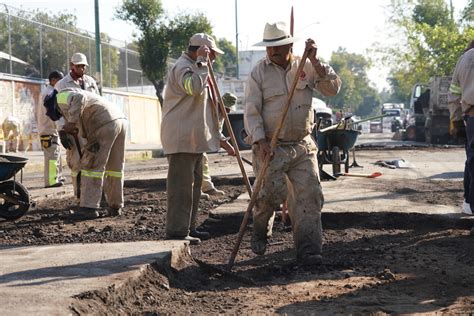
(355, 25)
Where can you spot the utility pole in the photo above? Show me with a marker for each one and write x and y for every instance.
(236, 43)
(98, 50)
(451, 9)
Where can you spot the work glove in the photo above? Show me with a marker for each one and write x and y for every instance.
(229, 99)
(457, 129)
(64, 138)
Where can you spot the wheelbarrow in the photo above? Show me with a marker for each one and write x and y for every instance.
(334, 146)
(14, 197)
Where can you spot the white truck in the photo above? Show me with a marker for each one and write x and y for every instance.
(395, 115)
(429, 107)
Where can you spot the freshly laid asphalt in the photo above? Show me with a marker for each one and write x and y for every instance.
(41, 280)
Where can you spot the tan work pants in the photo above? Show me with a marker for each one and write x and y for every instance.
(292, 174)
(102, 165)
(183, 188)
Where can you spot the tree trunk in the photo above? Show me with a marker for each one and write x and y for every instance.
(159, 86)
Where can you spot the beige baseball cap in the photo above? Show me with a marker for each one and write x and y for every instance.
(200, 39)
(79, 59)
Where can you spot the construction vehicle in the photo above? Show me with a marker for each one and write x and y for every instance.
(394, 115)
(429, 121)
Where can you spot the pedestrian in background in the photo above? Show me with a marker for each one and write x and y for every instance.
(49, 137)
(11, 127)
(461, 108)
(293, 166)
(189, 129)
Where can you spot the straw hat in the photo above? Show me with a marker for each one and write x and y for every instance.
(276, 34)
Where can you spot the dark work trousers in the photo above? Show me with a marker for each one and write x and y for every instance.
(469, 167)
(183, 188)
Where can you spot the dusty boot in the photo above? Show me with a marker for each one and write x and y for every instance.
(214, 192)
(310, 260)
(258, 244)
(192, 240)
(199, 234)
(85, 213)
(114, 211)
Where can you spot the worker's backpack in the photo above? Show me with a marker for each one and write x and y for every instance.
(51, 105)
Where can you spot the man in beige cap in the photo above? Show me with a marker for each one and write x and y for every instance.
(190, 127)
(77, 78)
(293, 166)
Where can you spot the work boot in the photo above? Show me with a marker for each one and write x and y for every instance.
(259, 245)
(200, 234)
(215, 192)
(310, 260)
(85, 213)
(466, 208)
(114, 211)
(56, 185)
(192, 240)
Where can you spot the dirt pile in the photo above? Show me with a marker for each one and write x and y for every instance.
(373, 262)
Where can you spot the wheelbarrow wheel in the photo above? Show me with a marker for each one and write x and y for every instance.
(14, 200)
(336, 160)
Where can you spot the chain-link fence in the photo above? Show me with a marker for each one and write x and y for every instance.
(32, 44)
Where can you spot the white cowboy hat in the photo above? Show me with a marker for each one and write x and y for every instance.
(276, 34)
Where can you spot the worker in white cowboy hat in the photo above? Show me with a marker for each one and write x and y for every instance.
(294, 165)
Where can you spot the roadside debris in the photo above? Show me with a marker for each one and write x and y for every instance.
(394, 164)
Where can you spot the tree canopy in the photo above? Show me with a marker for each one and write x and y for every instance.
(433, 41)
(45, 47)
(356, 95)
(162, 37)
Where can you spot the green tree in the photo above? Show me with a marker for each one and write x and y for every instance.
(226, 63)
(29, 38)
(431, 43)
(356, 93)
(161, 37)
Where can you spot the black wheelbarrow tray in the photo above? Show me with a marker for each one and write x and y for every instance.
(334, 146)
(14, 197)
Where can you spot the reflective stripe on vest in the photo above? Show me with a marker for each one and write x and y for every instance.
(92, 174)
(52, 171)
(115, 174)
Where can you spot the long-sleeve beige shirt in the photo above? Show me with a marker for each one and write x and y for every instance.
(189, 124)
(266, 95)
(461, 90)
(68, 83)
(89, 111)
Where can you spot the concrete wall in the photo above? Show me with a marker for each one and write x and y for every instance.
(21, 97)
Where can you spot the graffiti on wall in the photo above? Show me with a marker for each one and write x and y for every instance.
(21, 99)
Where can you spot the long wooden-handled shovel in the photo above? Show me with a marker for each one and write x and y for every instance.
(362, 175)
(266, 162)
(227, 124)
